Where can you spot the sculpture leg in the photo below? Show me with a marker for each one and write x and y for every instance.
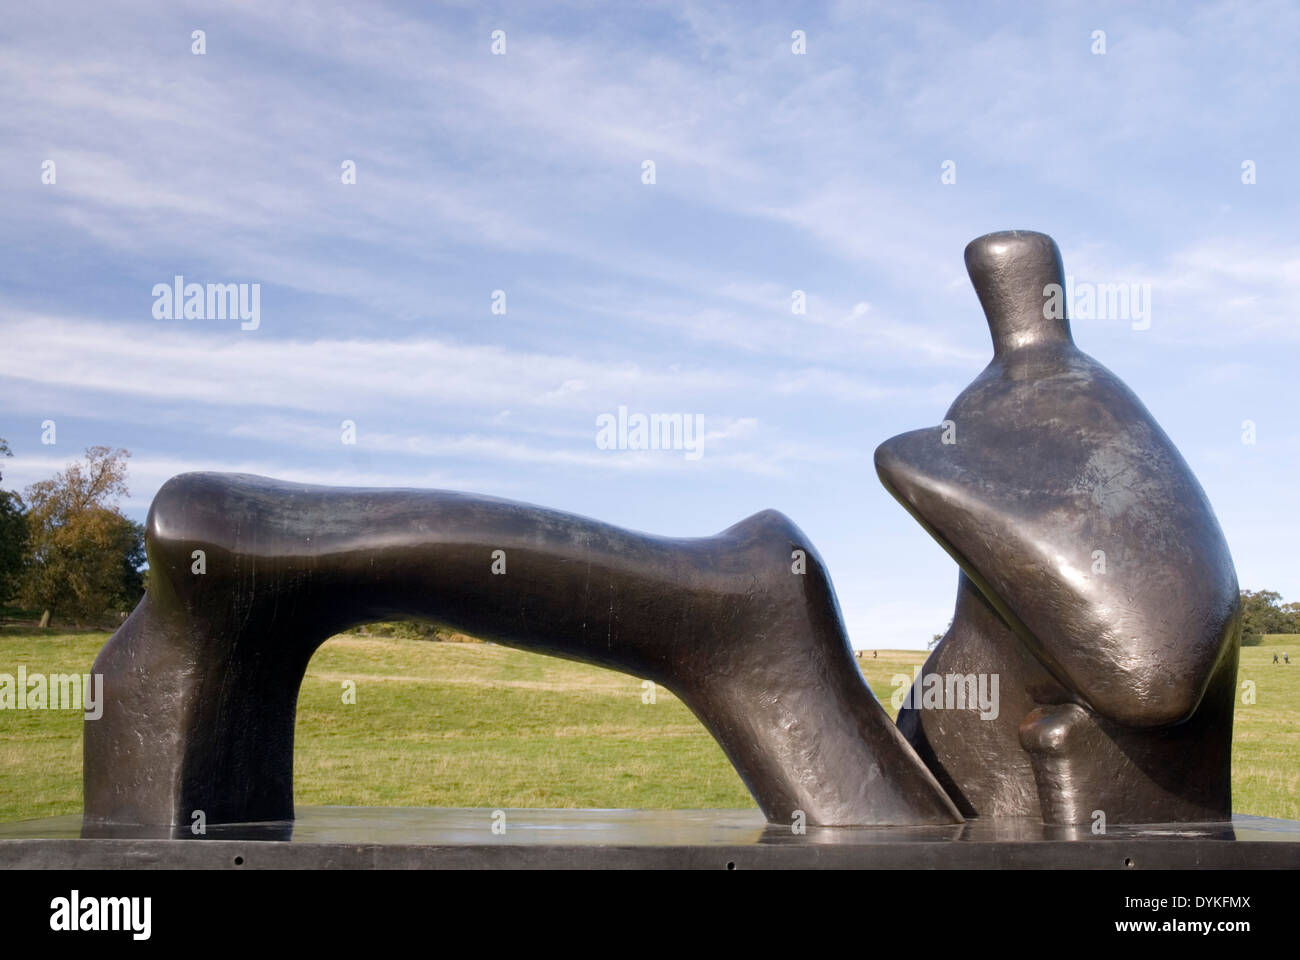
(976, 754)
(201, 681)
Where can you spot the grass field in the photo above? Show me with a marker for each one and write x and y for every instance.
(451, 724)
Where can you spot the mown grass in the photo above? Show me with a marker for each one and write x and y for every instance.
(1266, 733)
(451, 724)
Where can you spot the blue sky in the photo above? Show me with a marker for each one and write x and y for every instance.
(522, 172)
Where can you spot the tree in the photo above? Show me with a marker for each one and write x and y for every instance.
(1264, 613)
(1292, 610)
(84, 555)
(13, 536)
(934, 640)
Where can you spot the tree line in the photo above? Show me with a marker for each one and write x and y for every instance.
(1264, 612)
(66, 550)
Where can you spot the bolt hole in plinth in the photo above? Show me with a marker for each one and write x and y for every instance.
(239, 861)
(731, 864)
(1128, 861)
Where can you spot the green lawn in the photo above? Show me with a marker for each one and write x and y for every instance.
(451, 724)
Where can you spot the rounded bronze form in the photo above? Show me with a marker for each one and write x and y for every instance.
(1086, 543)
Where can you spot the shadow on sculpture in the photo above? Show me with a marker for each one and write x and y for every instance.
(1116, 682)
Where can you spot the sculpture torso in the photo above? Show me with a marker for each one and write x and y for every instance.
(1074, 515)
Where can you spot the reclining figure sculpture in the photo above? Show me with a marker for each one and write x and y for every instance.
(1117, 680)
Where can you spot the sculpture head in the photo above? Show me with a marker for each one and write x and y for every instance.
(1063, 500)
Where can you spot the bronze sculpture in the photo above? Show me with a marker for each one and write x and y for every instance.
(1108, 682)
(1095, 579)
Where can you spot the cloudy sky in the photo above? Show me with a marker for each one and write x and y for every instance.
(524, 172)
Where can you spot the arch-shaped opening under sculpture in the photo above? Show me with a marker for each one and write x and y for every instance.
(386, 719)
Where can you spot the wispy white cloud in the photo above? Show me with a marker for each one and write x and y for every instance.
(240, 368)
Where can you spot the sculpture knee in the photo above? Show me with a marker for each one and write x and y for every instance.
(1085, 764)
(1146, 689)
(191, 531)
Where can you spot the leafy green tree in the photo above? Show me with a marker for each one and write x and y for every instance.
(934, 640)
(1292, 611)
(13, 536)
(84, 556)
(1264, 613)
